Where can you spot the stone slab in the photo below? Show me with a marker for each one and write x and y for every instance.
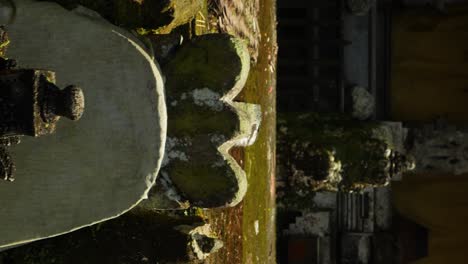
(104, 164)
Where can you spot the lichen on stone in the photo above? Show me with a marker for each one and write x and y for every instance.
(364, 149)
(207, 97)
(174, 150)
(218, 139)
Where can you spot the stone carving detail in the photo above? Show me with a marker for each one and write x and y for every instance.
(334, 152)
(31, 105)
(202, 79)
(314, 167)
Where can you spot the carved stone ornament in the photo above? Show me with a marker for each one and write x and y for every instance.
(31, 105)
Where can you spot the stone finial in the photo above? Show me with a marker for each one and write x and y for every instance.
(72, 104)
(68, 102)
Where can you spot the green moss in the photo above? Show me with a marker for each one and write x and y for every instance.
(354, 142)
(325, 127)
(210, 186)
(259, 202)
(210, 61)
(189, 119)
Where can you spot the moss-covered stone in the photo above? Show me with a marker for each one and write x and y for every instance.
(189, 119)
(204, 184)
(365, 156)
(202, 80)
(111, 157)
(164, 46)
(213, 61)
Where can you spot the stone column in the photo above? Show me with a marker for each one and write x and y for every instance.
(331, 152)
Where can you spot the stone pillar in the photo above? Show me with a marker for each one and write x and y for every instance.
(332, 152)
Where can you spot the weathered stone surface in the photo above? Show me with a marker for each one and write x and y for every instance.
(363, 103)
(356, 248)
(200, 240)
(366, 150)
(311, 223)
(103, 165)
(313, 168)
(202, 80)
(215, 61)
(383, 208)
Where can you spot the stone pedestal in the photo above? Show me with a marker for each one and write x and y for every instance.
(205, 123)
(363, 154)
